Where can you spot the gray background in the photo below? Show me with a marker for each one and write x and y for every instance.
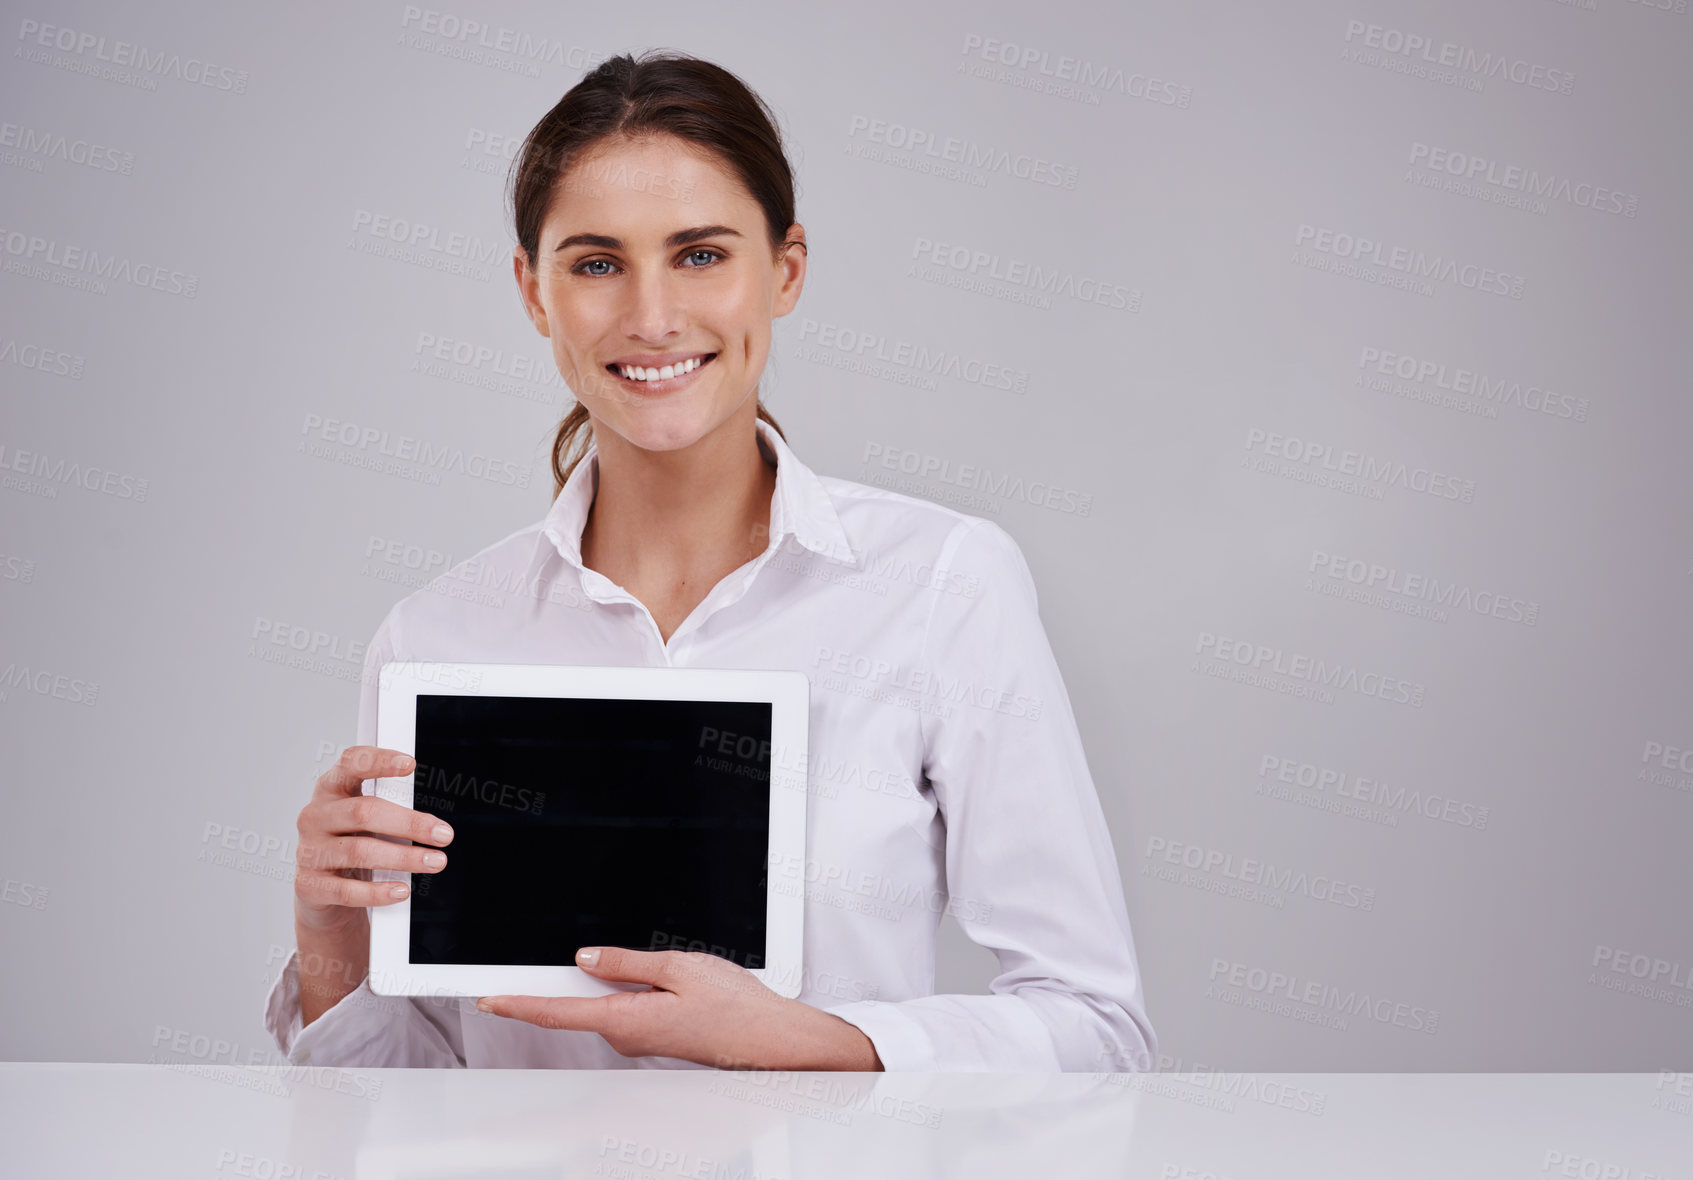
(1206, 165)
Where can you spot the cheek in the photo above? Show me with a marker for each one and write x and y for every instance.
(572, 328)
(753, 335)
(757, 343)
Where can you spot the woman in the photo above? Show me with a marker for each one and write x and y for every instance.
(654, 212)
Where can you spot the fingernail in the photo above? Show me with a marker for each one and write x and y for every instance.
(442, 833)
(588, 956)
(485, 1005)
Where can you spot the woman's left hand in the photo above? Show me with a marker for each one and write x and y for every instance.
(701, 1008)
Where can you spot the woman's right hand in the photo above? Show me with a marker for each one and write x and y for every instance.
(341, 841)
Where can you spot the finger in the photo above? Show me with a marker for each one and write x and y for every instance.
(370, 852)
(358, 763)
(374, 815)
(330, 889)
(673, 971)
(658, 968)
(585, 1013)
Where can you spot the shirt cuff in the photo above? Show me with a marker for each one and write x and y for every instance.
(282, 1006)
(900, 1039)
(336, 1035)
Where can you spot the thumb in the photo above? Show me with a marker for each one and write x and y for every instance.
(625, 965)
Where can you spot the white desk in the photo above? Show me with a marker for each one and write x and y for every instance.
(79, 1120)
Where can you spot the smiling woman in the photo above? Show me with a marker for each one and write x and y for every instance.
(657, 245)
(656, 194)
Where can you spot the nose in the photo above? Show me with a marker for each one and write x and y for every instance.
(655, 309)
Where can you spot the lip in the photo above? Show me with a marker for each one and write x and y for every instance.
(657, 360)
(667, 385)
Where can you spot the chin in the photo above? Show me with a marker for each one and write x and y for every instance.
(662, 431)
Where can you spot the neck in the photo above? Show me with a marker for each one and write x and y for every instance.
(663, 515)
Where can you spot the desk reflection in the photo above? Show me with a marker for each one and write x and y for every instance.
(301, 1123)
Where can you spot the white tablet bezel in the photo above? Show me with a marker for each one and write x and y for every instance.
(787, 691)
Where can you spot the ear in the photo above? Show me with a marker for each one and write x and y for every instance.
(790, 264)
(529, 289)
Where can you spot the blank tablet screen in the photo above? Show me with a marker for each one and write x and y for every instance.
(592, 822)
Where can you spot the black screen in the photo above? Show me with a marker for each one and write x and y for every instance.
(592, 822)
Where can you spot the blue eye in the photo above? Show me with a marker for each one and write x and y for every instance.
(712, 256)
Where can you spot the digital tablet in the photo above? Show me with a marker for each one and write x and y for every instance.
(648, 808)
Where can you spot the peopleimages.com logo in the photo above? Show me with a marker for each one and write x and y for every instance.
(123, 61)
(1413, 52)
(940, 261)
(1411, 262)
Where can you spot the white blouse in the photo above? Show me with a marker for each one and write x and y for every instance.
(946, 774)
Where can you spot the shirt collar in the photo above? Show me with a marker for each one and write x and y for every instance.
(801, 506)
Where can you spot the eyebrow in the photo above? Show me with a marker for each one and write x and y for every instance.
(680, 238)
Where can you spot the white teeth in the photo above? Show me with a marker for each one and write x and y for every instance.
(637, 373)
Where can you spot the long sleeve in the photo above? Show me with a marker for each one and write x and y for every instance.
(365, 1029)
(1030, 867)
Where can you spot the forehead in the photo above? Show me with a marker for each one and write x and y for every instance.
(658, 182)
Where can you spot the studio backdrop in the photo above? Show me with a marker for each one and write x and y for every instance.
(1322, 358)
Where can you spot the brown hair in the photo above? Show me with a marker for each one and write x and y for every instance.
(657, 94)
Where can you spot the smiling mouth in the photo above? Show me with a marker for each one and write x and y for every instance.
(650, 379)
